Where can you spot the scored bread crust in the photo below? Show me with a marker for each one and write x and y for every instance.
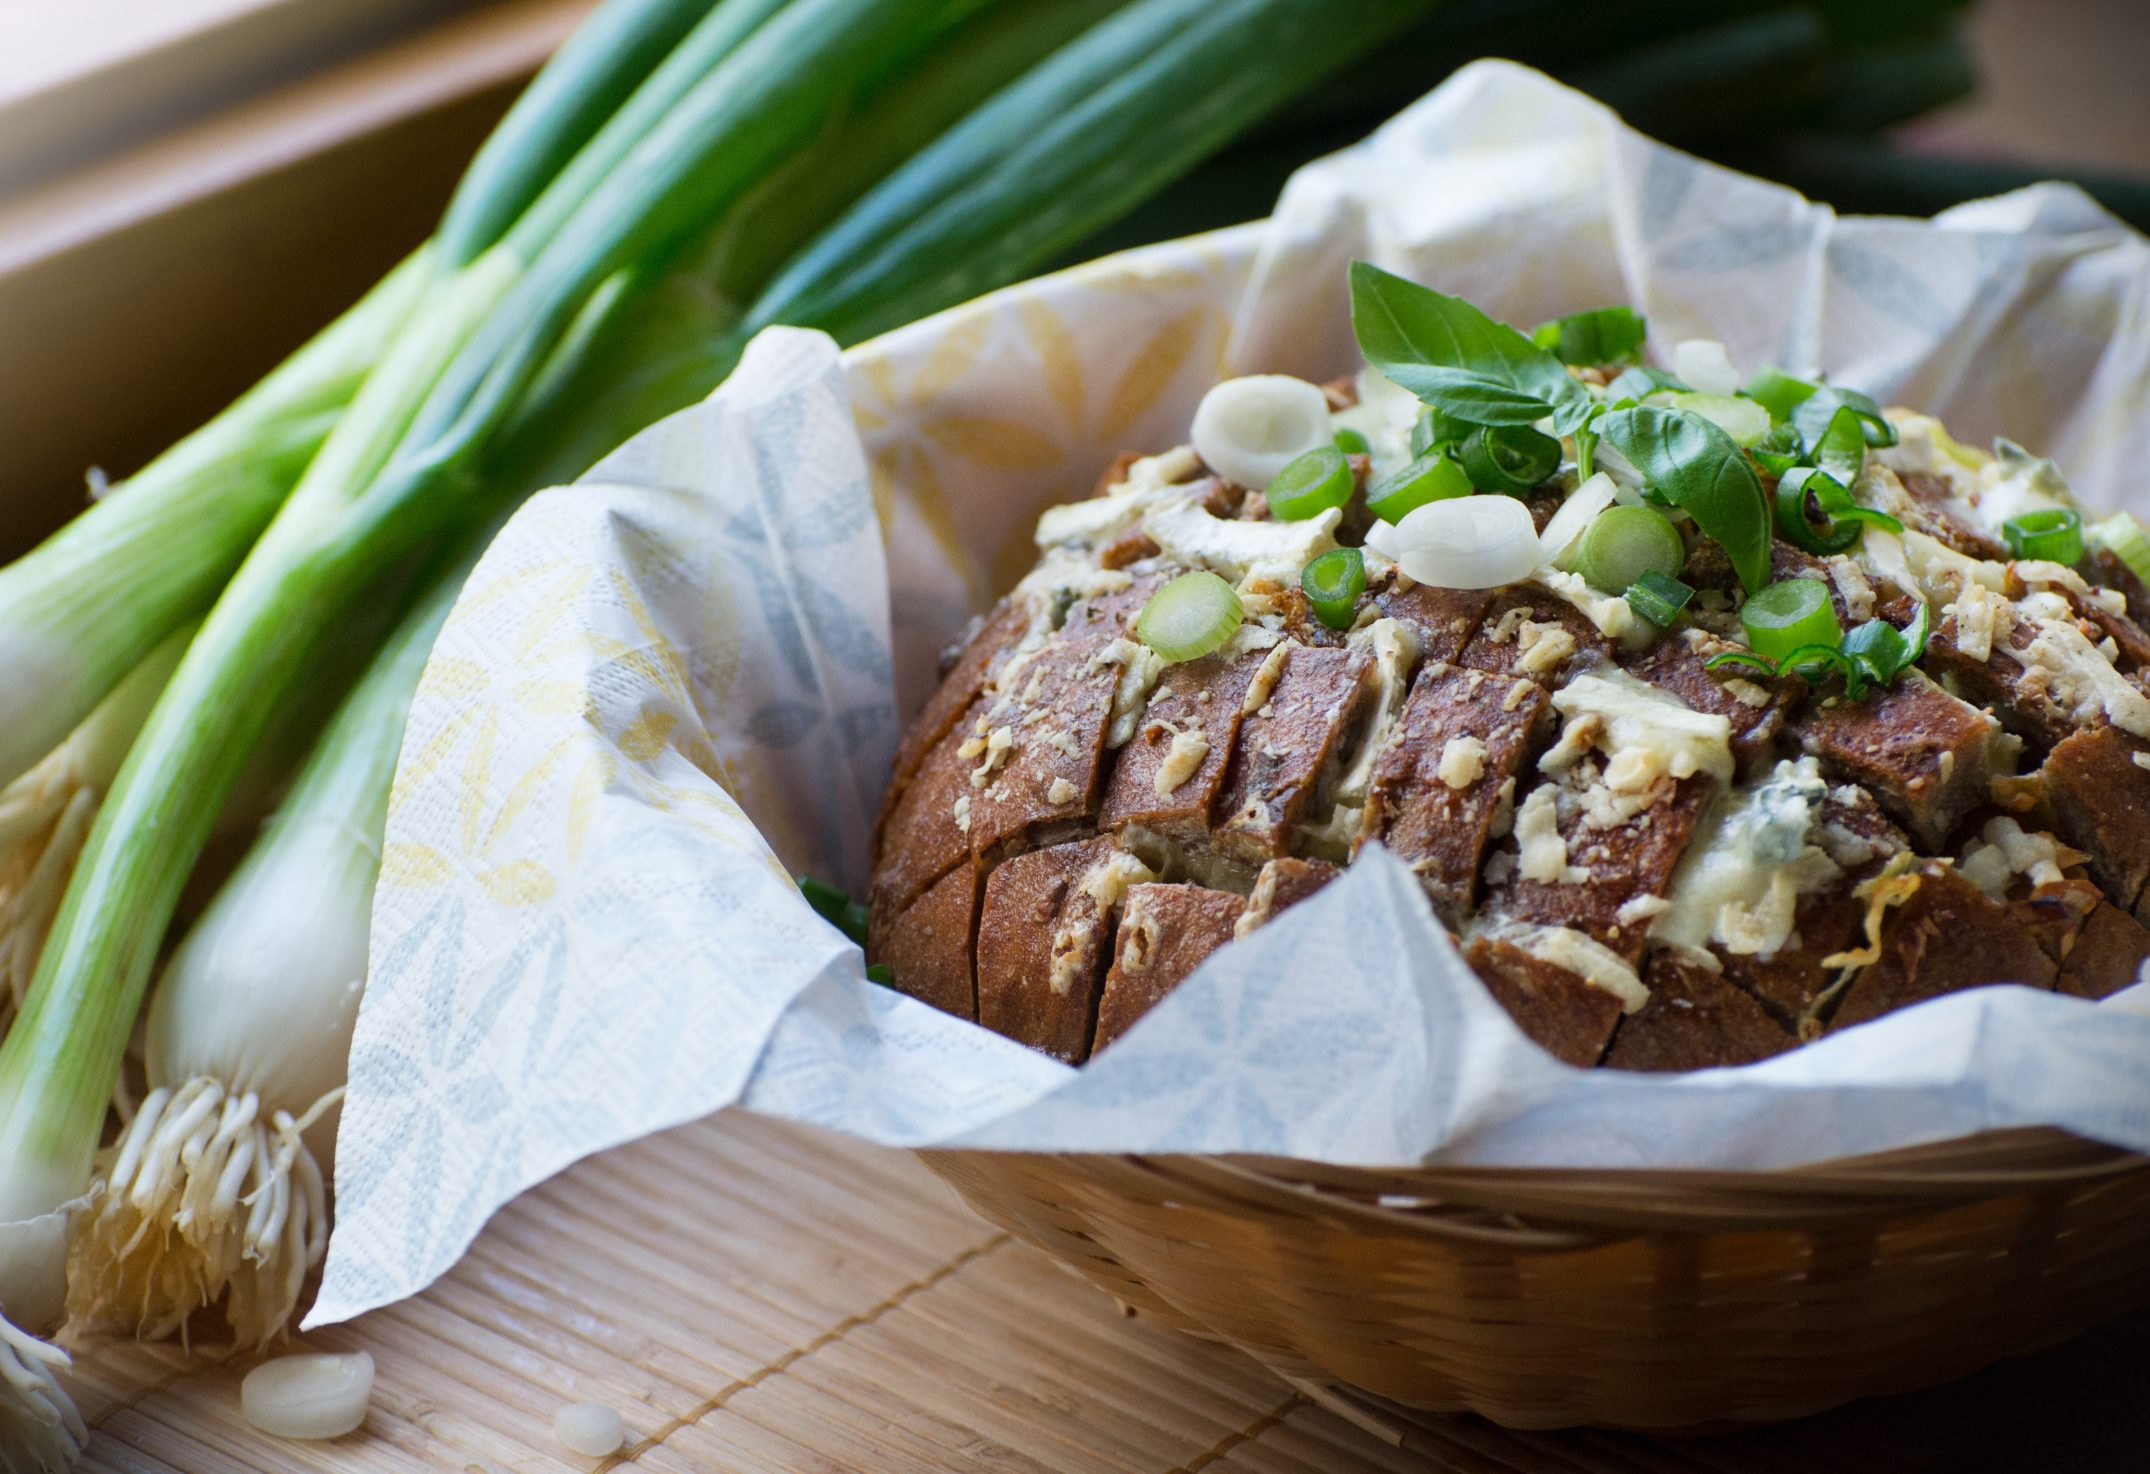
(1074, 825)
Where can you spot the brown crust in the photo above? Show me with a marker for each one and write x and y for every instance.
(1199, 696)
(1166, 931)
(1570, 1019)
(1444, 619)
(1497, 646)
(2107, 954)
(1695, 1020)
(1625, 861)
(963, 681)
(1283, 747)
(1680, 664)
(1442, 833)
(927, 945)
(1923, 752)
(2100, 799)
(1042, 947)
(930, 836)
(1947, 935)
(1283, 884)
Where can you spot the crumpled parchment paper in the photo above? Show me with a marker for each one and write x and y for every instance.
(673, 685)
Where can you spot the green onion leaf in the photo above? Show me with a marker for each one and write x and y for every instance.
(1456, 358)
(1352, 443)
(1433, 477)
(1778, 392)
(1804, 489)
(1623, 544)
(1841, 451)
(1659, 598)
(2051, 533)
(1311, 484)
(834, 905)
(1586, 339)
(1741, 659)
(1814, 413)
(1779, 450)
(2123, 536)
(1816, 663)
(1509, 458)
(1692, 464)
(1333, 583)
(882, 973)
(1642, 381)
(1189, 617)
(1790, 615)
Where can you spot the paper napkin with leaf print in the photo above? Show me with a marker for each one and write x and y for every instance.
(672, 686)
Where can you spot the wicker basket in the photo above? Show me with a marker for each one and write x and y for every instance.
(1647, 1300)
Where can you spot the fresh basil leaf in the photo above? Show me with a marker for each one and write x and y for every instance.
(1814, 413)
(1641, 381)
(1878, 649)
(1456, 358)
(1694, 465)
(1586, 339)
(1841, 451)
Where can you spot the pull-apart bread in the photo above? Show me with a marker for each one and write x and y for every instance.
(1687, 790)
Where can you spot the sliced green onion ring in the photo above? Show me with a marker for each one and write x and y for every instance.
(1433, 477)
(1841, 451)
(2054, 534)
(1311, 484)
(1778, 392)
(1587, 339)
(1641, 381)
(1814, 413)
(1779, 450)
(1509, 458)
(1351, 442)
(1333, 583)
(1624, 543)
(1189, 617)
(1791, 614)
(1436, 429)
(1741, 659)
(1842, 518)
(1746, 422)
(1659, 598)
(2124, 537)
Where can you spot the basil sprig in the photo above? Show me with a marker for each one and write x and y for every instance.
(1459, 360)
(1692, 464)
(1870, 659)
(1586, 339)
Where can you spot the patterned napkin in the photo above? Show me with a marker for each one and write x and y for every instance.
(671, 686)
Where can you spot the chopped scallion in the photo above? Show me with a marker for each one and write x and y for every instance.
(1790, 615)
(2123, 536)
(1778, 392)
(1189, 617)
(1841, 451)
(1311, 484)
(1625, 543)
(1433, 477)
(834, 905)
(1434, 429)
(1509, 458)
(1778, 451)
(1351, 442)
(882, 973)
(1659, 598)
(1333, 583)
(2054, 534)
(1746, 422)
(1813, 414)
(1802, 491)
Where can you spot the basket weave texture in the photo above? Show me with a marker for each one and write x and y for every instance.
(1632, 1299)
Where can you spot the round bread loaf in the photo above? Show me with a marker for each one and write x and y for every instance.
(1650, 861)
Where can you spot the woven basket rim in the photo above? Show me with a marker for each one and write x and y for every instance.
(1558, 1207)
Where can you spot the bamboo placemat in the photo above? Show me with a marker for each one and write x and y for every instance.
(759, 1297)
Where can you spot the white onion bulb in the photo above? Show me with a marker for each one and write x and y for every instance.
(308, 1396)
(1247, 430)
(1703, 364)
(1468, 542)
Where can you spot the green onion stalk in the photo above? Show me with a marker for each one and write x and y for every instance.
(214, 1190)
(92, 602)
(399, 473)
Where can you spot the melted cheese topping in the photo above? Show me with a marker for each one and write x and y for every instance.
(2068, 670)
(1649, 733)
(1394, 648)
(1614, 617)
(1463, 762)
(1140, 666)
(1739, 888)
(1182, 759)
(1543, 853)
(1248, 553)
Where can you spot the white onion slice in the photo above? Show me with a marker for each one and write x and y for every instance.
(1704, 365)
(1247, 430)
(308, 1396)
(589, 1428)
(1575, 514)
(1468, 542)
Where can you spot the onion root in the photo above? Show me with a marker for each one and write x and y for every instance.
(40, 1430)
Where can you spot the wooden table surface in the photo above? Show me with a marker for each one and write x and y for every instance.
(754, 1296)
